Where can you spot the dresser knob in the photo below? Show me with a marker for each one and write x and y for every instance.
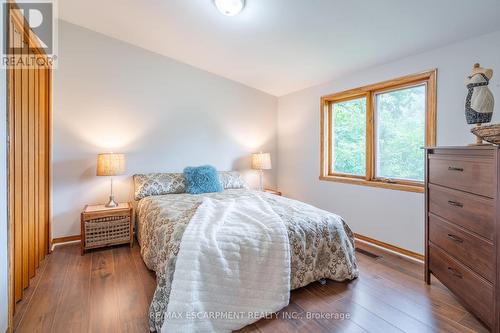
(455, 203)
(452, 168)
(455, 273)
(455, 238)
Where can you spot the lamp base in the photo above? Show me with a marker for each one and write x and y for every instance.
(111, 203)
(261, 180)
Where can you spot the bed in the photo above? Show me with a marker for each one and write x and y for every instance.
(321, 243)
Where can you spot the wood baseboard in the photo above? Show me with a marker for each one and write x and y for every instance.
(66, 239)
(367, 239)
(390, 247)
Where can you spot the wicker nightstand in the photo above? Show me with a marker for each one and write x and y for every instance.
(102, 226)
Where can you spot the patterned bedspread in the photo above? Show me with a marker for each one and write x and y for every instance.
(321, 243)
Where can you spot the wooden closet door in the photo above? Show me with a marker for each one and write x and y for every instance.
(16, 154)
(29, 159)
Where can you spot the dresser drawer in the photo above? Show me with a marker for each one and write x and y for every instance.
(471, 250)
(476, 292)
(475, 176)
(472, 212)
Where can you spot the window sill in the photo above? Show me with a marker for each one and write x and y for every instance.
(373, 183)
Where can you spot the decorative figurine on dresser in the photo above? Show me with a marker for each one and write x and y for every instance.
(462, 234)
(479, 105)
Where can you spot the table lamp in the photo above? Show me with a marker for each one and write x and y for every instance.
(261, 161)
(109, 164)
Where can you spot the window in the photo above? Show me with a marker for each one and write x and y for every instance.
(348, 136)
(374, 135)
(400, 133)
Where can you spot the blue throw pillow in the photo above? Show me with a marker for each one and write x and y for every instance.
(203, 179)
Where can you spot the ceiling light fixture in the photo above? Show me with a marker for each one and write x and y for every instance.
(230, 7)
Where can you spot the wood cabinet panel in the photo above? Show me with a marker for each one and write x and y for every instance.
(469, 211)
(476, 292)
(469, 175)
(475, 252)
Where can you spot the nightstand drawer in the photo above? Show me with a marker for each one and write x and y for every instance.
(107, 231)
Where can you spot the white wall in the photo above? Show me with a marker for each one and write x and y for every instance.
(109, 95)
(391, 216)
(164, 115)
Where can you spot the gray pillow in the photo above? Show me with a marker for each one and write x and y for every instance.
(232, 180)
(146, 185)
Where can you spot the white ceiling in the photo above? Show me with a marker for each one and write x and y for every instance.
(280, 46)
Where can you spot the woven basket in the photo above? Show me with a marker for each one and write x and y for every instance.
(107, 231)
(489, 133)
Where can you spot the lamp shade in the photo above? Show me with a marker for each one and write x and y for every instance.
(261, 161)
(110, 164)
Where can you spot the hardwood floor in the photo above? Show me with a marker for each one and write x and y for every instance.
(109, 290)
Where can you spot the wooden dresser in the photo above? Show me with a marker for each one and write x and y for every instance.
(463, 226)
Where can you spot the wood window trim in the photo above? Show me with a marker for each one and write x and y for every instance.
(428, 77)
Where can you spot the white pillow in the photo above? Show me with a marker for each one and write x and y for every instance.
(232, 180)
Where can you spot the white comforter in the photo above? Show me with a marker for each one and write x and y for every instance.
(233, 267)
